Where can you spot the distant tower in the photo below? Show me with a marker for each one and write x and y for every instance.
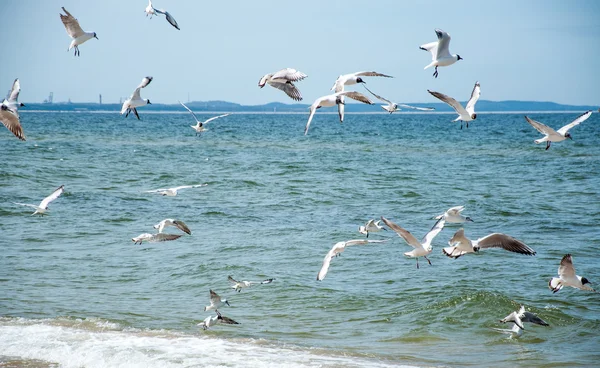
(69, 100)
(100, 102)
(120, 100)
(51, 97)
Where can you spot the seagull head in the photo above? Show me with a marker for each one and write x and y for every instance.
(468, 219)
(585, 281)
(21, 104)
(360, 80)
(338, 101)
(149, 103)
(473, 116)
(458, 58)
(96, 37)
(568, 135)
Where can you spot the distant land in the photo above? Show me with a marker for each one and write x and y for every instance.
(224, 106)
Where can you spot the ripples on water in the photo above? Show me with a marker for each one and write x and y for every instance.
(275, 203)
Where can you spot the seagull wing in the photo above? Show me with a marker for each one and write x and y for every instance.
(136, 94)
(377, 96)
(356, 96)
(542, 128)
(362, 242)
(11, 121)
(416, 108)
(26, 204)
(289, 74)
(437, 227)
(533, 318)
(566, 268)
(191, 112)
(288, 87)
(455, 210)
(14, 92)
(214, 298)
(326, 262)
(161, 237)
(156, 190)
(450, 101)
(228, 321)
(506, 242)
(583, 117)
(404, 234)
(182, 226)
(169, 17)
(71, 24)
(371, 74)
(232, 280)
(267, 281)
(474, 97)
(46, 201)
(215, 117)
(431, 47)
(313, 109)
(444, 44)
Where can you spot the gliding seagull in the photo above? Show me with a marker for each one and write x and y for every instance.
(567, 277)
(332, 100)
(199, 127)
(150, 10)
(338, 248)
(521, 316)
(172, 222)
(423, 247)
(239, 285)
(135, 100)
(392, 106)
(43, 206)
(75, 31)
(556, 136)
(467, 114)
(172, 192)
(461, 245)
(215, 302)
(440, 51)
(284, 80)
(454, 215)
(354, 78)
(370, 227)
(12, 100)
(213, 320)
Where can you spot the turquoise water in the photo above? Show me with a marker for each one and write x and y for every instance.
(75, 291)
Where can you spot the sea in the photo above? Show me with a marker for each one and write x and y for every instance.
(75, 291)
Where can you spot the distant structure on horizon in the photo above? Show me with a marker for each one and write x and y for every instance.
(50, 98)
(100, 99)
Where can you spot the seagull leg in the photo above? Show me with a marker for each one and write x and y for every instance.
(435, 74)
(417, 262)
(427, 260)
(547, 145)
(128, 111)
(136, 113)
(467, 124)
(461, 124)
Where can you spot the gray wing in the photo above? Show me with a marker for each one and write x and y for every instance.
(289, 88)
(232, 280)
(226, 320)
(566, 268)
(289, 74)
(372, 74)
(14, 92)
(506, 242)
(437, 227)
(267, 281)
(416, 108)
(532, 318)
(182, 226)
(46, 201)
(169, 17)
(11, 121)
(450, 101)
(161, 237)
(474, 97)
(443, 49)
(214, 298)
(404, 234)
(215, 117)
(581, 118)
(191, 112)
(71, 24)
(542, 128)
(356, 96)
(377, 96)
(146, 81)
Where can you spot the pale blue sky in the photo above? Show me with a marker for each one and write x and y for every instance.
(517, 50)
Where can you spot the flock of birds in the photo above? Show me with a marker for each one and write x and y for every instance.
(285, 80)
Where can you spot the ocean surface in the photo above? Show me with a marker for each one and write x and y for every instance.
(76, 292)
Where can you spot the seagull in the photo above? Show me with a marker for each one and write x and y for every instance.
(213, 320)
(453, 215)
(567, 277)
(556, 136)
(199, 127)
(422, 248)
(11, 121)
(467, 114)
(215, 302)
(354, 78)
(239, 285)
(43, 206)
(11, 101)
(172, 192)
(153, 238)
(332, 100)
(440, 52)
(392, 106)
(171, 222)
(370, 227)
(338, 248)
(136, 100)
(521, 316)
(460, 244)
(150, 11)
(284, 80)
(75, 31)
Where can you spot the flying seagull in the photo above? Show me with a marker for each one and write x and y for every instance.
(12, 100)
(239, 285)
(423, 247)
(370, 227)
(199, 127)
(43, 206)
(550, 135)
(338, 248)
(215, 302)
(172, 222)
(440, 52)
(567, 277)
(454, 215)
(172, 192)
(12, 121)
(284, 81)
(461, 245)
(332, 100)
(392, 106)
(152, 238)
(75, 31)
(521, 316)
(150, 10)
(354, 78)
(135, 100)
(467, 114)
(213, 320)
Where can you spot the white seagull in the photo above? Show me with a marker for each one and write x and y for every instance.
(11, 121)
(135, 100)
(332, 100)
(521, 316)
(152, 238)
(567, 277)
(556, 136)
(75, 31)
(213, 320)
(464, 114)
(172, 222)
(461, 245)
(284, 80)
(423, 247)
(150, 10)
(370, 227)
(12, 100)
(354, 78)
(392, 106)
(199, 127)
(43, 206)
(172, 192)
(338, 248)
(215, 302)
(440, 51)
(454, 215)
(239, 285)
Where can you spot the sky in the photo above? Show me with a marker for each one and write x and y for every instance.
(518, 50)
